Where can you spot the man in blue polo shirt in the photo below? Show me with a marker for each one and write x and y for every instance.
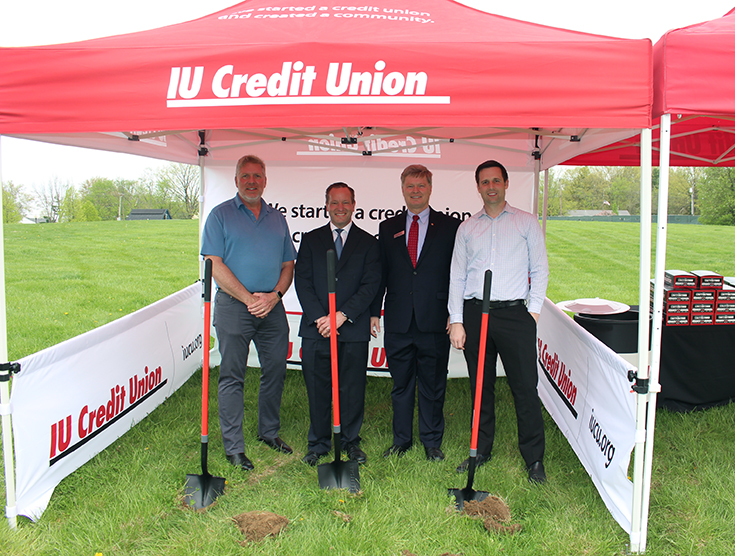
(252, 256)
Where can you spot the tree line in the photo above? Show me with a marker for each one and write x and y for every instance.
(174, 187)
(707, 192)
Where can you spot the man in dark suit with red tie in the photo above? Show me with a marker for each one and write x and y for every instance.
(416, 253)
(358, 278)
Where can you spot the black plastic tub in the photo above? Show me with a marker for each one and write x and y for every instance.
(619, 332)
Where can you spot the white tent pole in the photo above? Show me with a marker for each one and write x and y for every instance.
(11, 511)
(546, 201)
(658, 302)
(201, 213)
(643, 333)
(536, 182)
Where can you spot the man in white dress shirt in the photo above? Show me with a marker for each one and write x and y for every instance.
(510, 243)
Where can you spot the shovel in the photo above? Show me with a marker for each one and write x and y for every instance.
(338, 474)
(202, 490)
(467, 494)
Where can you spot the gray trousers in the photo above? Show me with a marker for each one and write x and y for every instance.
(236, 327)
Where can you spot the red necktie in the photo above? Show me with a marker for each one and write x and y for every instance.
(413, 239)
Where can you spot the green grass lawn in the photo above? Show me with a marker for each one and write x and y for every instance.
(65, 279)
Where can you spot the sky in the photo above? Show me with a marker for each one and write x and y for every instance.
(35, 165)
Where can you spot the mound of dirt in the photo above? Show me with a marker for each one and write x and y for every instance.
(494, 512)
(258, 525)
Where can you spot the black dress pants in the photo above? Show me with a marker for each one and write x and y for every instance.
(512, 335)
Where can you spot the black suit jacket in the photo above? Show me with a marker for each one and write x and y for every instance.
(358, 278)
(422, 290)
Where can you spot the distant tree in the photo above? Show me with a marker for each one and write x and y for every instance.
(679, 198)
(693, 176)
(71, 206)
(15, 202)
(108, 196)
(717, 196)
(88, 213)
(584, 188)
(624, 188)
(50, 199)
(552, 202)
(182, 181)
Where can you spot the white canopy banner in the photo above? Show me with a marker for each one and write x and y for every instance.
(378, 196)
(584, 386)
(72, 400)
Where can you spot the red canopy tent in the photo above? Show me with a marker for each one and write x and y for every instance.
(353, 82)
(694, 83)
(435, 67)
(694, 110)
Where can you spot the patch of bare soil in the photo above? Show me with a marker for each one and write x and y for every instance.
(495, 514)
(255, 477)
(258, 525)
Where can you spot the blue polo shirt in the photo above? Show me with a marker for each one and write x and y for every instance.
(253, 249)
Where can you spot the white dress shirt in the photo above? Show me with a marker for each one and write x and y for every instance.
(512, 246)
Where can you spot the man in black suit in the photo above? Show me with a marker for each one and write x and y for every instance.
(358, 278)
(416, 253)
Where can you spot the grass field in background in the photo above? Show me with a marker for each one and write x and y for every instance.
(65, 279)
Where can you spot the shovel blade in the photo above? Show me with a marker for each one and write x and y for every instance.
(467, 494)
(202, 490)
(340, 474)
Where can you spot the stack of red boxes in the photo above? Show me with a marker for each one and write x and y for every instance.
(696, 298)
(725, 303)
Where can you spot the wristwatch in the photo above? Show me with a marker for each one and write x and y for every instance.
(279, 294)
(346, 317)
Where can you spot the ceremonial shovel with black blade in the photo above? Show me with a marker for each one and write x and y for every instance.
(338, 474)
(202, 490)
(467, 493)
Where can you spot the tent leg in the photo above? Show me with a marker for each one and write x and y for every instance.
(643, 332)
(214, 355)
(11, 511)
(658, 302)
(5, 371)
(546, 201)
(536, 184)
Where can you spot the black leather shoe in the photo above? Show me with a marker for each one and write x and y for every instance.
(479, 461)
(241, 461)
(434, 454)
(312, 458)
(395, 450)
(277, 444)
(536, 473)
(354, 453)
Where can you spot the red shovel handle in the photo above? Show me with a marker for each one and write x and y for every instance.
(332, 291)
(207, 283)
(481, 360)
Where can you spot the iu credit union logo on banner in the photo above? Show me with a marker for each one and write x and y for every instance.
(297, 83)
(560, 377)
(79, 427)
